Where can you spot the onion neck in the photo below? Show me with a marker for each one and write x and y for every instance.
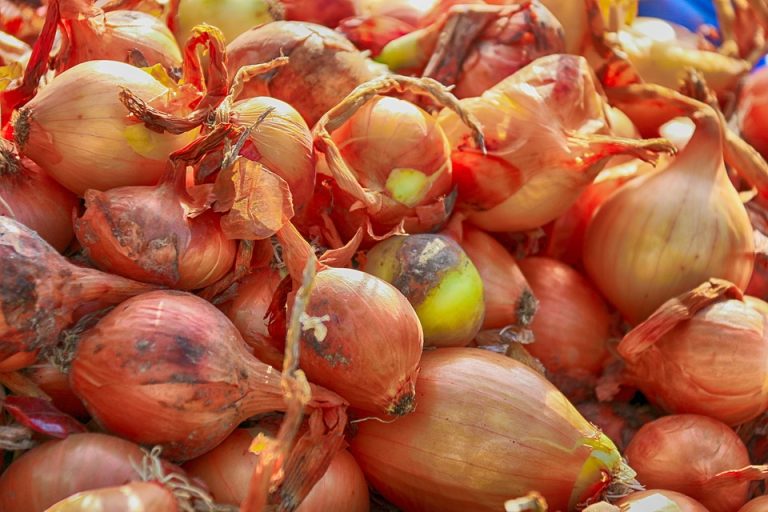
(703, 153)
(101, 289)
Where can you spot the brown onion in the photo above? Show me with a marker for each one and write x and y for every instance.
(573, 325)
(79, 132)
(41, 293)
(57, 469)
(31, 197)
(324, 66)
(660, 501)
(546, 139)
(91, 34)
(702, 353)
(693, 455)
(509, 299)
(226, 471)
(486, 428)
(183, 368)
(755, 505)
(136, 497)
(672, 229)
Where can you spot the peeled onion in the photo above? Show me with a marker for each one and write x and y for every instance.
(486, 428)
(79, 132)
(691, 454)
(30, 196)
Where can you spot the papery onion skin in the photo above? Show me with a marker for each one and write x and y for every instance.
(368, 333)
(437, 277)
(282, 142)
(226, 471)
(79, 132)
(758, 504)
(183, 368)
(682, 452)
(752, 113)
(115, 35)
(33, 198)
(232, 17)
(573, 325)
(660, 501)
(713, 364)
(497, 424)
(323, 68)
(57, 469)
(143, 233)
(670, 230)
(508, 297)
(55, 384)
(136, 497)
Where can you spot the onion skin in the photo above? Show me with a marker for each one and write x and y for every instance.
(41, 293)
(370, 334)
(683, 452)
(322, 12)
(143, 233)
(33, 198)
(55, 384)
(182, 366)
(56, 469)
(508, 297)
(755, 505)
(283, 143)
(476, 415)
(660, 501)
(686, 220)
(324, 66)
(573, 324)
(136, 497)
(752, 113)
(226, 471)
(437, 277)
(79, 132)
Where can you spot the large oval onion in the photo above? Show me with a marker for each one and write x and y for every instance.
(694, 455)
(324, 66)
(573, 325)
(486, 428)
(79, 132)
(183, 368)
(670, 230)
(660, 501)
(702, 352)
(226, 471)
(31, 197)
(57, 469)
(92, 34)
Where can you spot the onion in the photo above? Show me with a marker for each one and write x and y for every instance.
(92, 34)
(508, 297)
(438, 279)
(13, 50)
(322, 12)
(136, 496)
(486, 428)
(31, 197)
(694, 455)
(248, 311)
(78, 131)
(618, 420)
(573, 325)
(55, 384)
(702, 353)
(373, 33)
(226, 471)
(660, 501)
(544, 130)
(686, 220)
(324, 66)
(41, 294)
(56, 469)
(756, 505)
(232, 17)
(183, 368)
(752, 113)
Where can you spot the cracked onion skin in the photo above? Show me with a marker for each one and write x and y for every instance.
(486, 427)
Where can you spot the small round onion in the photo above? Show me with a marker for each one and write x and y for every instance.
(684, 453)
(660, 501)
(79, 132)
(323, 68)
(573, 324)
(226, 471)
(438, 279)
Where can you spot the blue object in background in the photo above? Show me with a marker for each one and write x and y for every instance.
(688, 13)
